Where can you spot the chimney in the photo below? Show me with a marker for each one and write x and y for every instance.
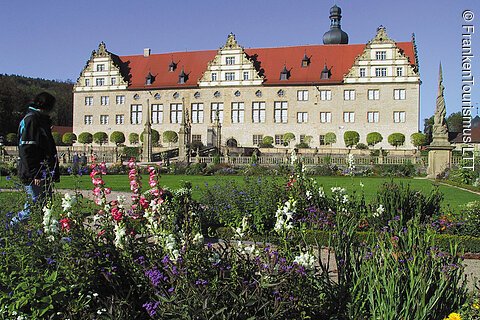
(146, 52)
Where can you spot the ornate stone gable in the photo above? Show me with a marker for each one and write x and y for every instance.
(231, 67)
(382, 61)
(101, 72)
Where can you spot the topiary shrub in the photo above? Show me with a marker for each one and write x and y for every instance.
(351, 138)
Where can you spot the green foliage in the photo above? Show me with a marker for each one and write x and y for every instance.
(133, 138)
(396, 139)
(69, 138)
(394, 170)
(287, 138)
(361, 146)
(155, 137)
(455, 122)
(117, 137)
(351, 138)
(100, 137)
(85, 138)
(57, 137)
(131, 152)
(267, 142)
(462, 175)
(170, 137)
(418, 139)
(330, 138)
(11, 139)
(373, 138)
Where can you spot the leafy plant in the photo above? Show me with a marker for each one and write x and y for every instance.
(396, 139)
(374, 138)
(351, 138)
(85, 138)
(69, 138)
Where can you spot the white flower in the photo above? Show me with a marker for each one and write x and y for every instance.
(380, 210)
(308, 194)
(321, 193)
(198, 239)
(305, 259)
(284, 216)
(120, 233)
(50, 225)
(95, 294)
(68, 201)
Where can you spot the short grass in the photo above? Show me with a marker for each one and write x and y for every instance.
(453, 197)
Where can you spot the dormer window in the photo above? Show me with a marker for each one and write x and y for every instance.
(305, 61)
(229, 61)
(149, 79)
(172, 66)
(214, 76)
(182, 77)
(100, 67)
(326, 73)
(284, 74)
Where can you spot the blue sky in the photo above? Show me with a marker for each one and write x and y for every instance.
(53, 39)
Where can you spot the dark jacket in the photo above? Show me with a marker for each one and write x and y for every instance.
(36, 147)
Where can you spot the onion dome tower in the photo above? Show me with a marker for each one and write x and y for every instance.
(335, 35)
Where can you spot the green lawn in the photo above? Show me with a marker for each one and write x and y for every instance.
(452, 197)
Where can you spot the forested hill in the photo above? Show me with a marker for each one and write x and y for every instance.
(16, 92)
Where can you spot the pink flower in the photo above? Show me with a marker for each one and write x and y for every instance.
(116, 214)
(108, 190)
(65, 223)
(152, 183)
(144, 202)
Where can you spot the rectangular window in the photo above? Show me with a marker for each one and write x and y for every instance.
(381, 55)
(399, 94)
(399, 71)
(103, 119)
(136, 114)
(302, 95)
(214, 76)
(245, 75)
(197, 112)
(325, 117)
(87, 82)
(229, 76)
(230, 61)
(176, 112)
(302, 138)
(100, 67)
(88, 119)
(258, 112)
(349, 95)
(302, 117)
(113, 81)
(399, 116)
(322, 140)
(362, 73)
(216, 106)
(120, 99)
(373, 94)
(257, 139)
(238, 112)
(380, 72)
(325, 95)
(372, 116)
(104, 100)
(89, 101)
(279, 139)
(119, 119)
(100, 82)
(280, 112)
(349, 117)
(157, 113)
(196, 138)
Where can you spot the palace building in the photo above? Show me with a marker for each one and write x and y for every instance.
(308, 90)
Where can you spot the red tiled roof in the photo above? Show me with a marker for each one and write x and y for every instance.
(475, 136)
(62, 130)
(339, 58)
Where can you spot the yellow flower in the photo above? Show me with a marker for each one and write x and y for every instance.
(454, 316)
(476, 306)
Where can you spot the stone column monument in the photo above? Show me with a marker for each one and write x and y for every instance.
(184, 135)
(147, 137)
(440, 150)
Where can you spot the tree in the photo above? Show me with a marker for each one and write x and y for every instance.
(170, 137)
(267, 142)
(351, 138)
(11, 139)
(100, 137)
(330, 138)
(57, 137)
(287, 138)
(117, 137)
(69, 138)
(133, 138)
(373, 138)
(155, 137)
(428, 128)
(418, 139)
(85, 138)
(396, 139)
(455, 122)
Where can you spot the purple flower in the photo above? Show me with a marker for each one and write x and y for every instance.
(8, 178)
(140, 260)
(155, 276)
(201, 282)
(170, 290)
(151, 307)
(50, 261)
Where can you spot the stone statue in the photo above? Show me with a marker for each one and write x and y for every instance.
(439, 123)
